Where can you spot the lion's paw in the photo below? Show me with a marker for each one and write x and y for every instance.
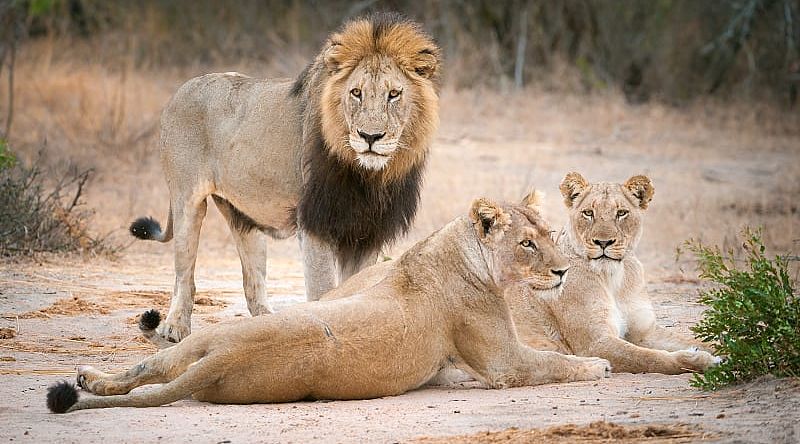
(173, 331)
(696, 360)
(594, 368)
(86, 377)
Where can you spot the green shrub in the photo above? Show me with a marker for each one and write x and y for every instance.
(753, 315)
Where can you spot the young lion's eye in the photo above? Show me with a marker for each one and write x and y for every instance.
(355, 92)
(393, 94)
(588, 214)
(622, 213)
(527, 243)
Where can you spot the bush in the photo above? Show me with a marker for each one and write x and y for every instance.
(35, 217)
(753, 314)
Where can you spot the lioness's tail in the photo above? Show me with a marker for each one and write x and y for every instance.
(148, 228)
(63, 396)
(147, 325)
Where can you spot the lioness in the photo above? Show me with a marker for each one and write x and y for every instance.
(603, 309)
(337, 152)
(440, 304)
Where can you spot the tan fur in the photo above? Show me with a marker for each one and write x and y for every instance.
(604, 309)
(246, 141)
(441, 304)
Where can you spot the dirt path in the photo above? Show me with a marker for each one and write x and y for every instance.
(55, 332)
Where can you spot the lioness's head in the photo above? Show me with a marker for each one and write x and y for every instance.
(380, 102)
(519, 244)
(605, 219)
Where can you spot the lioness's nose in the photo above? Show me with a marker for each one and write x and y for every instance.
(604, 243)
(560, 272)
(370, 138)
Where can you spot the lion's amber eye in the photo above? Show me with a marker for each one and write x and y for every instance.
(527, 243)
(622, 213)
(356, 92)
(588, 213)
(393, 94)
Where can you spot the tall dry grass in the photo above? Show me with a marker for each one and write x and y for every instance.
(716, 166)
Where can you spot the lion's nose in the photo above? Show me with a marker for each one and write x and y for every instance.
(560, 272)
(604, 243)
(370, 138)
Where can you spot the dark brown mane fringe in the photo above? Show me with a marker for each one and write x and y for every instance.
(354, 209)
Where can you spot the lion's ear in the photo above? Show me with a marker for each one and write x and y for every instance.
(332, 56)
(426, 62)
(571, 187)
(488, 217)
(533, 200)
(642, 189)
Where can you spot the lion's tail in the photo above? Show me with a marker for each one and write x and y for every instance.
(147, 325)
(63, 396)
(148, 228)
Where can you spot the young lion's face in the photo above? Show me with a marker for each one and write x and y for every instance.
(606, 218)
(520, 245)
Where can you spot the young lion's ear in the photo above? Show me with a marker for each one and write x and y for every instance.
(426, 62)
(488, 217)
(332, 56)
(642, 189)
(571, 187)
(533, 200)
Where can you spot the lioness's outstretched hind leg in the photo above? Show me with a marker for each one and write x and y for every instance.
(188, 212)
(251, 244)
(63, 397)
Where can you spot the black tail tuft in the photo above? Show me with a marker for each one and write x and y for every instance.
(61, 396)
(149, 320)
(146, 228)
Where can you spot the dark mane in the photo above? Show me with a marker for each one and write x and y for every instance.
(352, 208)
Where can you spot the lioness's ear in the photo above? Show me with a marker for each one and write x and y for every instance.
(571, 187)
(426, 62)
(488, 217)
(642, 189)
(332, 56)
(533, 200)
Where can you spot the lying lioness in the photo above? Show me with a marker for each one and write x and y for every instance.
(440, 304)
(604, 309)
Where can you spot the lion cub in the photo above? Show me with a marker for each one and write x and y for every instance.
(604, 309)
(440, 304)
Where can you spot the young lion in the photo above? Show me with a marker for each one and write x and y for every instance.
(604, 309)
(440, 304)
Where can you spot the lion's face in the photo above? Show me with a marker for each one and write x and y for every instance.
(380, 100)
(520, 244)
(376, 106)
(605, 219)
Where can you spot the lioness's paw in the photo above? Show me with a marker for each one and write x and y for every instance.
(173, 331)
(594, 368)
(86, 375)
(696, 360)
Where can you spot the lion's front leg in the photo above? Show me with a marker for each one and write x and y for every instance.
(319, 265)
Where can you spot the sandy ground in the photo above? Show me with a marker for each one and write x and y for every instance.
(69, 312)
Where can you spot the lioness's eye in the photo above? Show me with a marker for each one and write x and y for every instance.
(622, 213)
(393, 94)
(356, 92)
(588, 213)
(527, 244)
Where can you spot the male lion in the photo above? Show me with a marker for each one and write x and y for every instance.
(440, 304)
(603, 309)
(337, 153)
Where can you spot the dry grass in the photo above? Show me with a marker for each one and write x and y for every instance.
(715, 167)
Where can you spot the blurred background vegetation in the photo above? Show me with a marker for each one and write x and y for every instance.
(670, 50)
